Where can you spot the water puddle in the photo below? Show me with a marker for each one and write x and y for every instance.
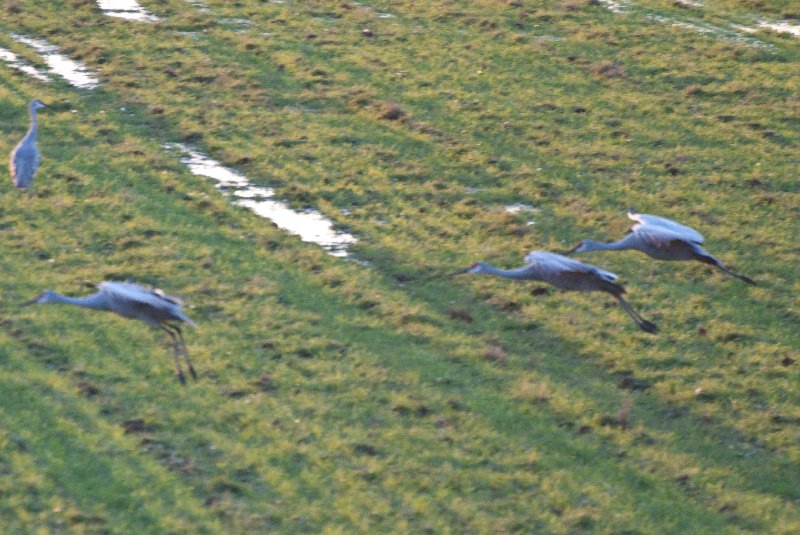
(200, 6)
(689, 3)
(745, 29)
(780, 27)
(13, 61)
(310, 225)
(237, 22)
(612, 5)
(380, 15)
(126, 9)
(733, 33)
(783, 26)
(74, 72)
(520, 209)
(517, 208)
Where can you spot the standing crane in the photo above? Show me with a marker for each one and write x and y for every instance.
(130, 300)
(662, 239)
(566, 274)
(24, 160)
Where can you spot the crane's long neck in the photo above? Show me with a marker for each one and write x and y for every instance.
(96, 301)
(619, 245)
(32, 128)
(523, 273)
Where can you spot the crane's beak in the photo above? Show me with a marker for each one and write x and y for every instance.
(459, 272)
(33, 301)
(444, 275)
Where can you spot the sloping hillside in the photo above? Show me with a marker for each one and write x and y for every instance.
(368, 391)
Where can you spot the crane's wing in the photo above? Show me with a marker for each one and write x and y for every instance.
(658, 237)
(140, 296)
(171, 298)
(23, 163)
(646, 220)
(129, 291)
(551, 264)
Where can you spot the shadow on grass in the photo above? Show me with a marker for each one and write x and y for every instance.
(576, 371)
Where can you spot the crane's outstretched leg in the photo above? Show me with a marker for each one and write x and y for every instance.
(643, 324)
(717, 264)
(175, 354)
(185, 351)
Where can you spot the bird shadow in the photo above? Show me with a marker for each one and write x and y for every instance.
(572, 368)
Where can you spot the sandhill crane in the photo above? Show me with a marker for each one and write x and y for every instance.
(566, 274)
(25, 158)
(662, 239)
(130, 300)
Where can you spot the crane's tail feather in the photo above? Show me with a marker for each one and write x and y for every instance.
(717, 264)
(646, 326)
(739, 276)
(185, 319)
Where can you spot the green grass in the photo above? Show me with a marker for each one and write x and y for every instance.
(336, 397)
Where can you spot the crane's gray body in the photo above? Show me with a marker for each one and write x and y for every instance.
(659, 243)
(133, 301)
(566, 274)
(25, 158)
(662, 239)
(128, 300)
(569, 274)
(150, 306)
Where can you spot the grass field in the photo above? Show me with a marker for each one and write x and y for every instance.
(371, 394)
